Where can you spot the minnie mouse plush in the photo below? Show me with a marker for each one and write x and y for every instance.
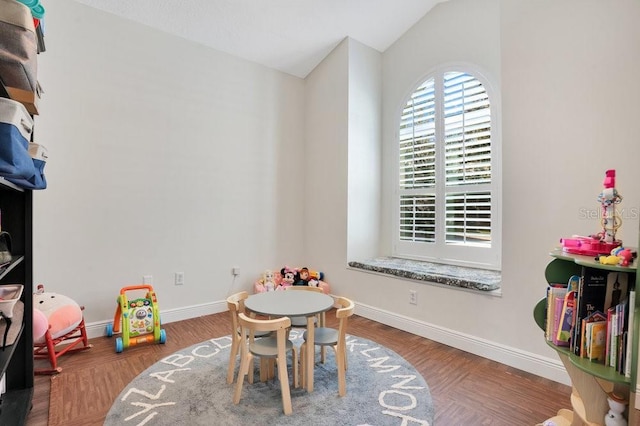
(288, 277)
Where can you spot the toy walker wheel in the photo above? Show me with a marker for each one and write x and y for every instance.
(119, 345)
(109, 330)
(163, 336)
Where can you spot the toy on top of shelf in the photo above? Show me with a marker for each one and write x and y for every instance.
(604, 241)
(608, 198)
(619, 256)
(625, 255)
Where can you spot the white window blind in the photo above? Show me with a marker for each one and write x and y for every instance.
(445, 169)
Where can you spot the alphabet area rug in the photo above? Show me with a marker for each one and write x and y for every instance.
(189, 387)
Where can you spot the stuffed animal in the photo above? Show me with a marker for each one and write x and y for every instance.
(626, 257)
(40, 325)
(316, 275)
(63, 314)
(615, 415)
(302, 277)
(270, 281)
(305, 276)
(609, 260)
(288, 277)
(619, 256)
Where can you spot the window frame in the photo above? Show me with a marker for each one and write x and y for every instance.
(440, 251)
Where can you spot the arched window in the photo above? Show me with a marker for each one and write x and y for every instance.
(448, 173)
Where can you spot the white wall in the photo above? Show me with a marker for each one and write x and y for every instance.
(326, 136)
(364, 151)
(165, 156)
(343, 110)
(569, 90)
(566, 74)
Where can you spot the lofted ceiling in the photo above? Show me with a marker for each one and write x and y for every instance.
(292, 36)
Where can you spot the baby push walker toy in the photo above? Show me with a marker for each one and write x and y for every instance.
(140, 319)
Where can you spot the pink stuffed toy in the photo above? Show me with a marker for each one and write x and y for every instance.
(63, 314)
(270, 281)
(40, 325)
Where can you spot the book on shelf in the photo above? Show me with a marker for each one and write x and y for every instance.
(618, 323)
(596, 340)
(585, 336)
(622, 353)
(554, 292)
(631, 318)
(598, 290)
(613, 339)
(565, 322)
(608, 348)
(616, 292)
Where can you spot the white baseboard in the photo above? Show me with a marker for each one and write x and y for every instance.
(98, 328)
(532, 363)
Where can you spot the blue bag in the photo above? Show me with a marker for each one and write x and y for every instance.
(39, 157)
(16, 126)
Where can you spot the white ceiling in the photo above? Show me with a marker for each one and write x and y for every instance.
(292, 36)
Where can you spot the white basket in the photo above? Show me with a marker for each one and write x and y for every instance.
(9, 295)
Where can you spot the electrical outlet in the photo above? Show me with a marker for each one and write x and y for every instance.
(235, 271)
(179, 278)
(413, 297)
(147, 279)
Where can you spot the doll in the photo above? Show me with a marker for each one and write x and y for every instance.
(302, 277)
(268, 280)
(308, 278)
(288, 277)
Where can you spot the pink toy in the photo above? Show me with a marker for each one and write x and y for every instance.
(608, 198)
(626, 256)
(587, 246)
(64, 321)
(605, 241)
(40, 325)
(288, 277)
(291, 276)
(619, 256)
(63, 313)
(270, 281)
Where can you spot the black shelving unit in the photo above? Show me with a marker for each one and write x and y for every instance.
(16, 209)
(16, 361)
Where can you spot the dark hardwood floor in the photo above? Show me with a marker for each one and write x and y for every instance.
(466, 389)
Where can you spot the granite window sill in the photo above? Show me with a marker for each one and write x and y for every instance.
(451, 275)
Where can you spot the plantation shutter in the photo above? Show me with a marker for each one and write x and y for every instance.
(462, 125)
(467, 163)
(417, 166)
